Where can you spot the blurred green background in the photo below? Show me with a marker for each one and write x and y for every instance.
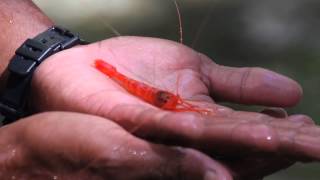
(281, 35)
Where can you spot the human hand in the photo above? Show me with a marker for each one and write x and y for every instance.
(71, 83)
(61, 145)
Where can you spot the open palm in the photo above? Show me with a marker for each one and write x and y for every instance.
(68, 81)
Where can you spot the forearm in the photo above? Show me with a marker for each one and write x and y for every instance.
(19, 20)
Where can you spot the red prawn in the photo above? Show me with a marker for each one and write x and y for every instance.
(159, 98)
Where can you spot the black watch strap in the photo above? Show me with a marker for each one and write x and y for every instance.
(21, 67)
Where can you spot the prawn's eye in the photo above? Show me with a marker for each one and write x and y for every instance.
(162, 98)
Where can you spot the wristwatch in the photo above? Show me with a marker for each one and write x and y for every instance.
(13, 99)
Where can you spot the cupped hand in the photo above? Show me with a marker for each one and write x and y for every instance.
(61, 145)
(68, 81)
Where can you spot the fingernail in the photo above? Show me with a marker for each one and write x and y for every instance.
(210, 175)
(275, 112)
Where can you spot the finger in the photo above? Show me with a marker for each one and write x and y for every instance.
(250, 85)
(301, 140)
(189, 129)
(275, 116)
(258, 167)
(225, 135)
(302, 119)
(90, 146)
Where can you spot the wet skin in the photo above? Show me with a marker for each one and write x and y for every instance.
(61, 145)
(241, 139)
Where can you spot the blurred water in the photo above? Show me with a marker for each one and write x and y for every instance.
(279, 35)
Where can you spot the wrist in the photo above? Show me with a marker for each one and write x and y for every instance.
(13, 100)
(20, 20)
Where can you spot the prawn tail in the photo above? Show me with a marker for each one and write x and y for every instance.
(105, 68)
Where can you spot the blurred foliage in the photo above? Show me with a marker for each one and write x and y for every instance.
(279, 35)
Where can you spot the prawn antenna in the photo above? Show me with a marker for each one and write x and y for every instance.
(111, 28)
(180, 20)
(202, 26)
(100, 18)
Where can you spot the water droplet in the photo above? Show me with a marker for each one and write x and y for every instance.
(269, 138)
(142, 153)
(116, 148)
(13, 153)
(55, 177)
(133, 152)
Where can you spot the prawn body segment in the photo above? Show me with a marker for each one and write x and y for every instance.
(159, 98)
(139, 89)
